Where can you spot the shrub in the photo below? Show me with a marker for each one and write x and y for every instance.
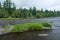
(20, 28)
(30, 26)
(45, 24)
(35, 26)
(26, 27)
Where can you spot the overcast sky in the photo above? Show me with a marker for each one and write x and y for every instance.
(45, 4)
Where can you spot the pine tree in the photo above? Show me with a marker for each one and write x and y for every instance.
(0, 4)
(34, 11)
(7, 5)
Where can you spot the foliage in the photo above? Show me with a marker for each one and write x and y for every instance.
(20, 28)
(45, 24)
(3, 13)
(16, 14)
(29, 26)
(35, 26)
(9, 10)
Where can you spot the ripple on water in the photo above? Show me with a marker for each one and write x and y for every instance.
(55, 27)
(42, 34)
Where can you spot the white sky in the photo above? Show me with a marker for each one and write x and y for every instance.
(45, 4)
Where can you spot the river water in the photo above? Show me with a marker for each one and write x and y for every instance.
(54, 21)
(53, 34)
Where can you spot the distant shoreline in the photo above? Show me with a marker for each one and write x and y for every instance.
(26, 18)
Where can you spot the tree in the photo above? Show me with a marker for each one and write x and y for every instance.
(16, 14)
(24, 13)
(30, 12)
(41, 9)
(14, 7)
(38, 15)
(4, 5)
(34, 11)
(3, 13)
(8, 5)
(0, 4)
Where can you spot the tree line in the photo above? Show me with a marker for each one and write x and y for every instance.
(8, 9)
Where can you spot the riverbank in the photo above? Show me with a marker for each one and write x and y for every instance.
(25, 18)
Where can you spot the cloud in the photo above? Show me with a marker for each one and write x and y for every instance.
(45, 4)
(54, 8)
(37, 3)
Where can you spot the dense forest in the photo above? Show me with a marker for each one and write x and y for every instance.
(8, 10)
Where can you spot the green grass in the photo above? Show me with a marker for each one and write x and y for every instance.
(30, 26)
(27, 27)
(20, 28)
(9, 18)
(35, 26)
(45, 24)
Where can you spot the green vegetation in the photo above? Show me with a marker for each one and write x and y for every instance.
(35, 26)
(45, 24)
(8, 10)
(10, 18)
(26, 27)
(29, 26)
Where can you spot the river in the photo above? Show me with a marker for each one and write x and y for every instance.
(53, 34)
(55, 21)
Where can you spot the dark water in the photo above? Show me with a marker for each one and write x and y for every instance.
(53, 34)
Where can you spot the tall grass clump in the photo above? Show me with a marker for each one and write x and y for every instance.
(26, 27)
(30, 26)
(35, 26)
(20, 28)
(45, 24)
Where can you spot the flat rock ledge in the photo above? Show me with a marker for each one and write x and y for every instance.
(9, 30)
(47, 28)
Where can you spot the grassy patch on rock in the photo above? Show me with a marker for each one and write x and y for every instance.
(30, 26)
(26, 27)
(45, 24)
